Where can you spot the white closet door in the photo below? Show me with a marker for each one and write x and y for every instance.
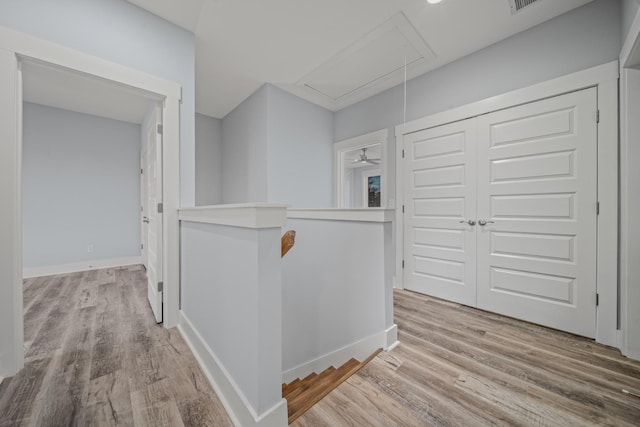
(440, 196)
(537, 182)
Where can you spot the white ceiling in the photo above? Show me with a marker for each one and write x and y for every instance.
(242, 44)
(53, 86)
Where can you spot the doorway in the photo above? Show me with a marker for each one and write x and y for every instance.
(17, 47)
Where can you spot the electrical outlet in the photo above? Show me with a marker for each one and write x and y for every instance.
(90, 248)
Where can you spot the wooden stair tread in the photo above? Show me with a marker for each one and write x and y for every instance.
(309, 391)
(308, 382)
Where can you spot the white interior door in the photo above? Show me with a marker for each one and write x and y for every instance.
(153, 176)
(440, 210)
(537, 188)
(143, 208)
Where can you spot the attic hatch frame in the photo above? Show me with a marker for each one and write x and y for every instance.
(16, 46)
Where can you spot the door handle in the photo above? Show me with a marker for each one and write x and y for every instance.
(470, 222)
(483, 222)
(145, 219)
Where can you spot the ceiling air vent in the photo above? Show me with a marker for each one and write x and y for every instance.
(518, 5)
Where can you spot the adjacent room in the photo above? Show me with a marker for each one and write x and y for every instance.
(269, 213)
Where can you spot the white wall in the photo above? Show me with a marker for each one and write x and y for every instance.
(582, 38)
(629, 9)
(337, 296)
(277, 148)
(231, 296)
(81, 186)
(122, 33)
(208, 160)
(300, 153)
(244, 151)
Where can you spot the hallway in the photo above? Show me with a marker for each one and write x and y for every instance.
(95, 356)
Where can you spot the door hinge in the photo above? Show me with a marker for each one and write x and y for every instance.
(403, 154)
(160, 208)
(141, 208)
(160, 129)
(597, 208)
(160, 286)
(402, 263)
(597, 116)
(402, 208)
(141, 171)
(597, 299)
(141, 245)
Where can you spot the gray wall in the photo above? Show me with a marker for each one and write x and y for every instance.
(123, 33)
(244, 151)
(300, 151)
(582, 38)
(277, 148)
(208, 160)
(629, 9)
(81, 186)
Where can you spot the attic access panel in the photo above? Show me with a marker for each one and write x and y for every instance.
(376, 57)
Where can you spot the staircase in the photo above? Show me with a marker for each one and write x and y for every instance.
(302, 394)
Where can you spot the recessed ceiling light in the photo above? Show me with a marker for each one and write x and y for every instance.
(433, 1)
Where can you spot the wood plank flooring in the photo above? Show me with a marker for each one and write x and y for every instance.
(457, 366)
(302, 394)
(95, 356)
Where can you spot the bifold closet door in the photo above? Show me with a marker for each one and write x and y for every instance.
(537, 190)
(440, 200)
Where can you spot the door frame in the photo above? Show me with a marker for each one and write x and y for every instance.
(605, 78)
(14, 46)
(629, 201)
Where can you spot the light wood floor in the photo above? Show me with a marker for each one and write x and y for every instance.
(457, 366)
(94, 356)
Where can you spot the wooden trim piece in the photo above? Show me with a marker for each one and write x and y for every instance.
(361, 215)
(249, 215)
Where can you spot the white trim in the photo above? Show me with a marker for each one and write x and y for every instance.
(51, 270)
(11, 307)
(392, 338)
(360, 215)
(558, 86)
(360, 350)
(605, 78)
(247, 215)
(362, 141)
(43, 50)
(629, 333)
(232, 398)
(607, 265)
(33, 48)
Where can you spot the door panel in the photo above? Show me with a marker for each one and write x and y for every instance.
(537, 183)
(154, 228)
(440, 253)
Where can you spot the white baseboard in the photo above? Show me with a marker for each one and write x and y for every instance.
(392, 338)
(79, 266)
(360, 350)
(234, 401)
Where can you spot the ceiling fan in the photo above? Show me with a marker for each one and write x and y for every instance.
(363, 159)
